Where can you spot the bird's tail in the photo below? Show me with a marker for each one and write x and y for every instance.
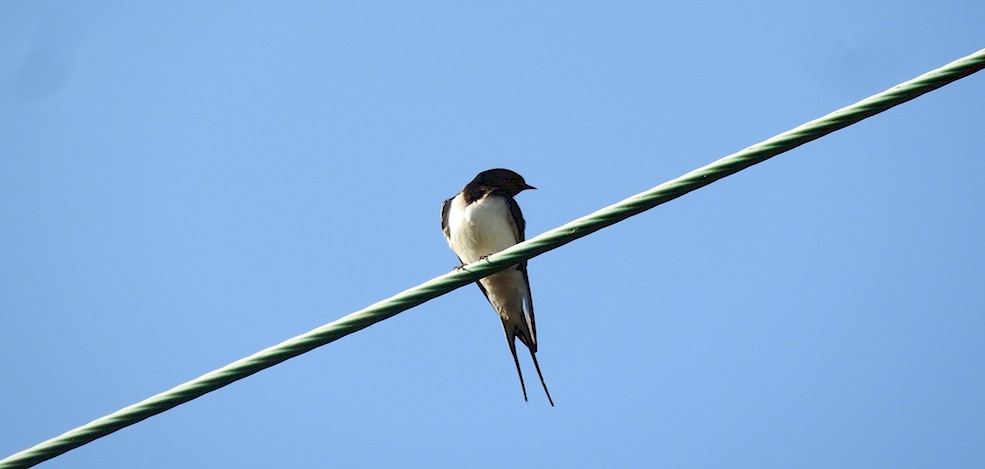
(519, 373)
(542, 383)
(511, 340)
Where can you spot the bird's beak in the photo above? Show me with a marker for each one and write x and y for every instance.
(527, 186)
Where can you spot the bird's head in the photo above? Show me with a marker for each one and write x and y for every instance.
(502, 179)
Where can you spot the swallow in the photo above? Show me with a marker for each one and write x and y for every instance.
(484, 219)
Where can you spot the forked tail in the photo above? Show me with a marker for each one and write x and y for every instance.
(510, 339)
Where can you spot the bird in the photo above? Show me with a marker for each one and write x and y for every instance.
(484, 219)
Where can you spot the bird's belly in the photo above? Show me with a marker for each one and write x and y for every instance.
(484, 229)
(506, 291)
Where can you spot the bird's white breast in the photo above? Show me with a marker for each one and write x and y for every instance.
(481, 228)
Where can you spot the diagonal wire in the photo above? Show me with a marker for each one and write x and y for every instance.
(542, 243)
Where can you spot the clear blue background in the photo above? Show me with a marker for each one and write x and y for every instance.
(185, 183)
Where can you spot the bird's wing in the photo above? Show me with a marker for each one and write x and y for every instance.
(516, 215)
(531, 342)
(445, 210)
(519, 228)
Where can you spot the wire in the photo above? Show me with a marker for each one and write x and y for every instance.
(535, 246)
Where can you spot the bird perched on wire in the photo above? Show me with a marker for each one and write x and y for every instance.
(484, 219)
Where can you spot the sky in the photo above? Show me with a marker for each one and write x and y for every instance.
(183, 184)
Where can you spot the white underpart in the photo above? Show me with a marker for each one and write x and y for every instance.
(482, 228)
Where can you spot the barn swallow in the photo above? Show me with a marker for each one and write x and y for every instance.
(484, 219)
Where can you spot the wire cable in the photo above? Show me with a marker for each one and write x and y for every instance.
(523, 251)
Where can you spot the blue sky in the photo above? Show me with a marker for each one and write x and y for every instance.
(185, 183)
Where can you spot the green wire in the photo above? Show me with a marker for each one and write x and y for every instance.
(545, 242)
